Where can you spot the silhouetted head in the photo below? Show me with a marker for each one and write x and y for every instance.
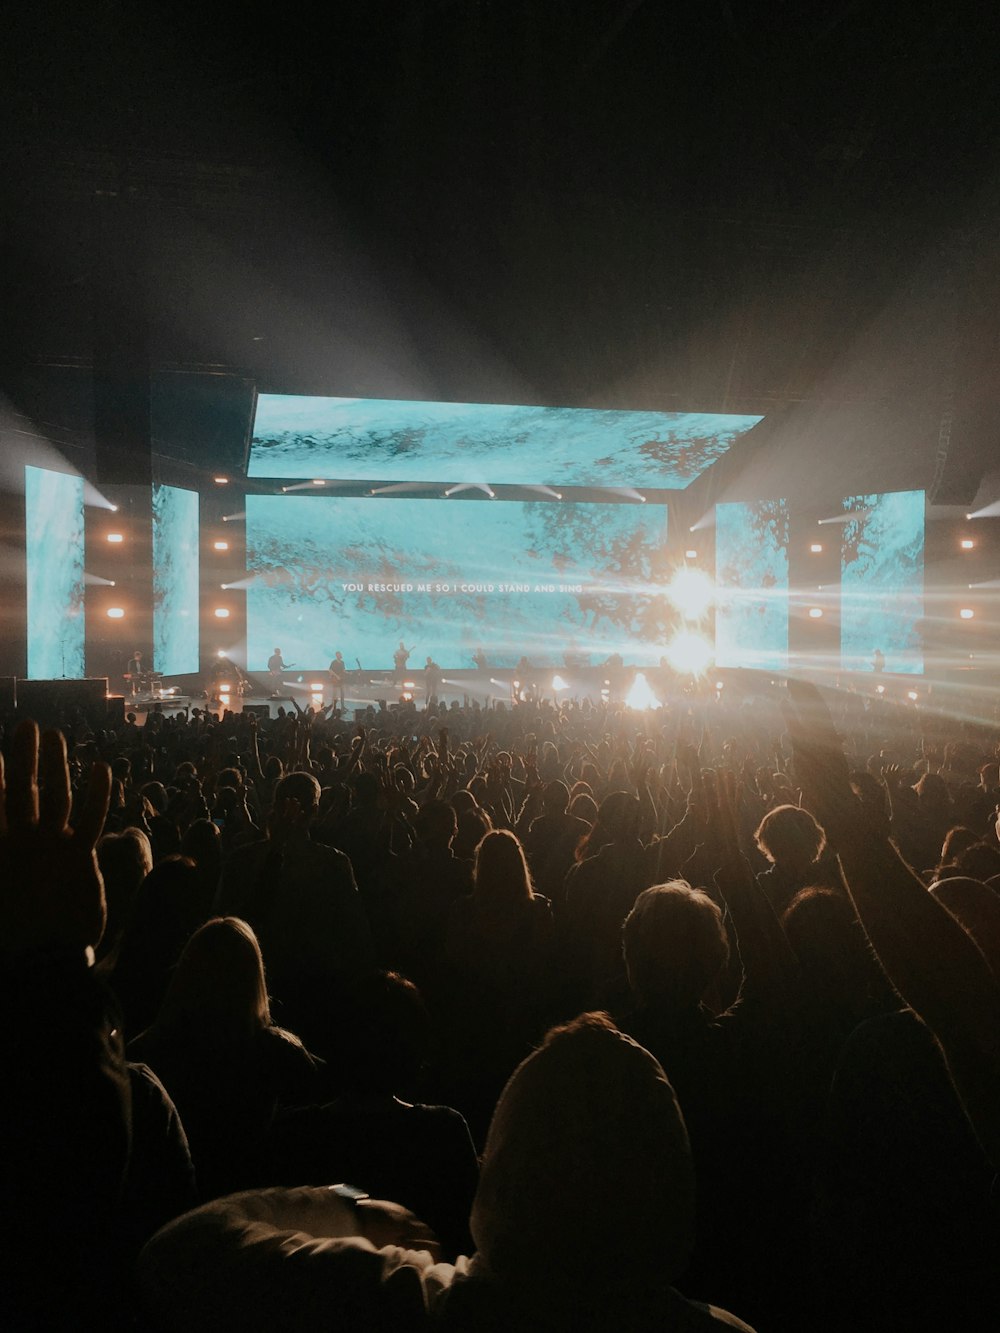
(586, 1192)
(500, 876)
(218, 986)
(675, 945)
(556, 797)
(790, 837)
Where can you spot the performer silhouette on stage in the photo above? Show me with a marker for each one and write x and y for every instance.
(399, 659)
(276, 665)
(338, 673)
(432, 679)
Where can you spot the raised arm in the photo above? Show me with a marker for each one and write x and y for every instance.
(931, 960)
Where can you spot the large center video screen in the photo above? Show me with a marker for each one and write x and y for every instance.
(451, 576)
(369, 439)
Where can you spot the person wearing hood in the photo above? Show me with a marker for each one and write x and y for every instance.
(583, 1217)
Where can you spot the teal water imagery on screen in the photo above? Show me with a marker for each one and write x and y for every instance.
(751, 578)
(363, 439)
(447, 576)
(53, 520)
(175, 580)
(882, 581)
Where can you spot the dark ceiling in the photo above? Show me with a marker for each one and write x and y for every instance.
(712, 206)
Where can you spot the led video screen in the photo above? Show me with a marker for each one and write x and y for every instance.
(54, 531)
(365, 439)
(175, 580)
(882, 581)
(751, 577)
(450, 576)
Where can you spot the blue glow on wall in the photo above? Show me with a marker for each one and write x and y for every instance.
(447, 576)
(882, 581)
(53, 518)
(384, 439)
(751, 577)
(175, 580)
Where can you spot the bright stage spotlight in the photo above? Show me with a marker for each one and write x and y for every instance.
(220, 546)
(967, 544)
(691, 555)
(967, 613)
(221, 481)
(690, 653)
(692, 592)
(115, 538)
(641, 696)
(222, 612)
(815, 613)
(816, 548)
(912, 695)
(116, 613)
(880, 689)
(558, 683)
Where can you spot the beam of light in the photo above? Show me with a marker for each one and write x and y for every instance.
(234, 518)
(689, 653)
(692, 592)
(545, 490)
(96, 580)
(399, 488)
(987, 511)
(706, 521)
(851, 516)
(641, 695)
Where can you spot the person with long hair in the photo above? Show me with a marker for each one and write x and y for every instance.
(225, 1063)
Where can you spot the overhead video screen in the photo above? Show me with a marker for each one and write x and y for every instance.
(54, 536)
(175, 580)
(751, 579)
(882, 581)
(361, 439)
(450, 576)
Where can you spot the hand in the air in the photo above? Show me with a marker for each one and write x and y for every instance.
(51, 890)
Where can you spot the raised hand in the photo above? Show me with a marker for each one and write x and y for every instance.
(820, 766)
(51, 890)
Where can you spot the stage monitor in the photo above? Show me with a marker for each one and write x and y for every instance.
(882, 581)
(368, 439)
(751, 578)
(541, 579)
(54, 541)
(175, 580)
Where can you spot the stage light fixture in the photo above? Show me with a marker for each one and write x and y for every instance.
(816, 547)
(221, 652)
(222, 612)
(558, 683)
(115, 538)
(880, 689)
(912, 695)
(689, 653)
(222, 481)
(815, 613)
(318, 481)
(116, 613)
(641, 696)
(114, 509)
(691, 592)
(720, 684)
(220, 546)
(690, 555)
(967, 544)
(967, 613)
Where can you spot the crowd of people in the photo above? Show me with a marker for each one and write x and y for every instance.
(525, 1017)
